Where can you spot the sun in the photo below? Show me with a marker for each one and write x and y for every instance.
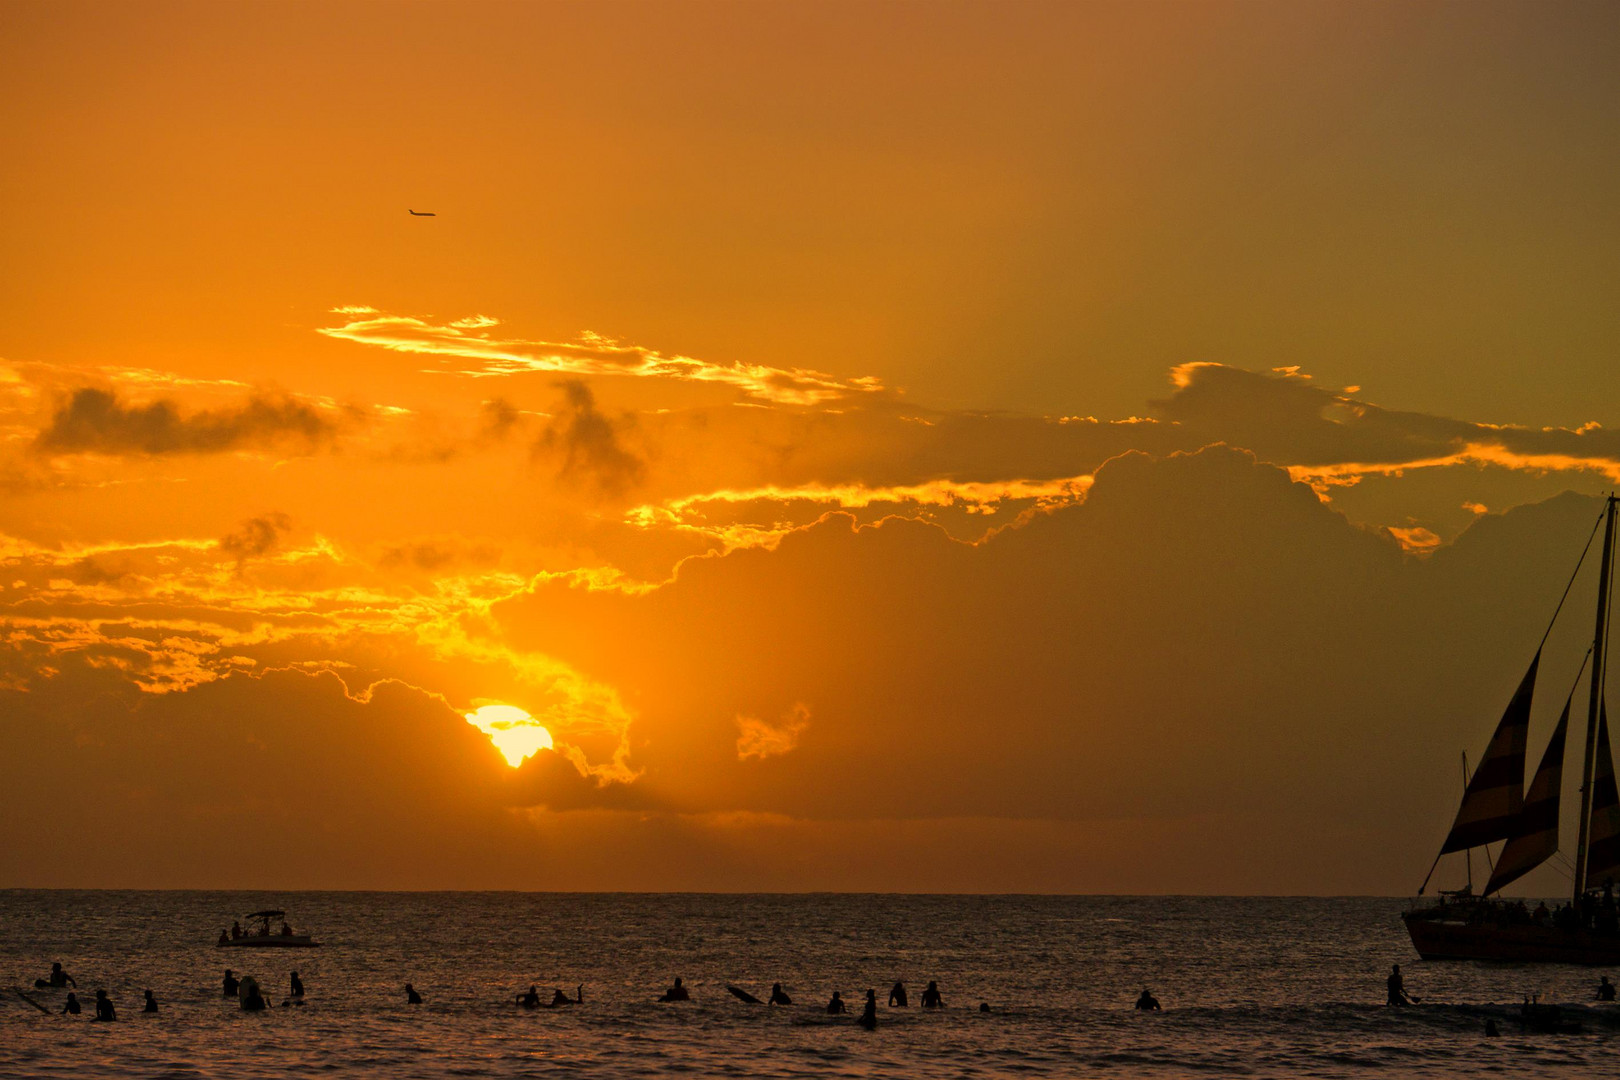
(515, 733)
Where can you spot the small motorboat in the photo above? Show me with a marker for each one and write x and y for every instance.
(263, 937)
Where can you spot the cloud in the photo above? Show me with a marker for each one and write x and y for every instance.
(759, 740)
(256, 536)
(479, 354)
(586, 443)
(96, 421)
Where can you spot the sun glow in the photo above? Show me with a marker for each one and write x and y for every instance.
(514, 732)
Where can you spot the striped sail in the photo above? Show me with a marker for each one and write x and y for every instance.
(1603, 841)
(1495, 796)
(1535, 837)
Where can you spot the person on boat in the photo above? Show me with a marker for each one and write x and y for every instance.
(286, 931)
(560, 998)
(295, 988)
(1147, 1002)
(868, 1019)
(1396, 984)
(151, 1003)
(411, 996)
(1541, 914)
(1491, 1031)
(104, 1007)
(1605, 991)
(56, 980)
(231, 986)
(72, 1006)
(931, 998)
(835, 1007)
(531, 1000)
(897, 996)
(236, 931)
(676, 992)
(224, 937)
(778, 997)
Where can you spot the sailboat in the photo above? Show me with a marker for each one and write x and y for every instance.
(1497, 807)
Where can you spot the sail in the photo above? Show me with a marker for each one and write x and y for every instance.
(1491, 805)
(1535, 837)
(1603, 841)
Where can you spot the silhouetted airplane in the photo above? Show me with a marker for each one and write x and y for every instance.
(421, 213)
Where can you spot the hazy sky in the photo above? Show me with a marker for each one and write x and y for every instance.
(1087, 447)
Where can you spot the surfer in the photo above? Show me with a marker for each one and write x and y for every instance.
(56, 980)
(1605, 989)
(531, 1000)
(1397, 988)
(560, 998)
(868, 1018)
(676, 992)
(231, 986)
(295, 988)
(931, 998)
(151, 1003)
(104, 1007)
(835, 1007)
(778, 997)
(411, 996)
(897, 996)
(72, 1006)
(1147, 1002)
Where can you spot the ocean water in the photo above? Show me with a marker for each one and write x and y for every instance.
(1250, 987)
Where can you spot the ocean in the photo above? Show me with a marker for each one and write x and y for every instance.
(1250, 987)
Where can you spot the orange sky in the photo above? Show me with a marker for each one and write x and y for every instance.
(1093, 447)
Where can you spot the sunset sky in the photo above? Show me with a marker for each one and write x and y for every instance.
(1093, 447)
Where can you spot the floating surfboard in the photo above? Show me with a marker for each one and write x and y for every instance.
(742, 995)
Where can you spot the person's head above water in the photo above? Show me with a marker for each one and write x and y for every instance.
(677, 980)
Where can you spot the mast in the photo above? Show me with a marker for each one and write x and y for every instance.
(1600, 649)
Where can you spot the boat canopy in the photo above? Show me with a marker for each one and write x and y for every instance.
(266, 915)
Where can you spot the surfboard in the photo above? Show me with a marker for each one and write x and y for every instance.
(742, 995)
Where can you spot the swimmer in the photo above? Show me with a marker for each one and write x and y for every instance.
(1490, 1029)
(56, 980)
(104, 1007)
(984, 1006)
(676, 992)
(835, 1007)
(897, 996)
(531, 1000)
(560, 998)
(411, 996)
(1147, 1002)
(1605, 990)
(868, 1018)
(231, 986)
(931, 998)
(151, 1003)
(72, 1006)
(295, 988)
(778, 997)
(252, 997)
(1396, 986)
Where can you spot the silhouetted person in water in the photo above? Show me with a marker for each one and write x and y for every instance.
(1397, 987)
(1490, 1029)
(1605, 989)
(560, 998)
(56, 980)
(984, 1006)
(151, 1003)
(931, 998)
(676, 992)
(252, 999)
(897, 996)
(531, 1000)
(72, 1006)
(868, 1018)
(835, 1007)
(104, 1007)
(777, 997)
(231, 985)
(1147, 1002)
(295, 988)
(411, 996)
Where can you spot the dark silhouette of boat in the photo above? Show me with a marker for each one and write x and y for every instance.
(1496, 807)
(266, 938)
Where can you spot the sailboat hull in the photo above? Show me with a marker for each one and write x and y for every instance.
(1440, 938)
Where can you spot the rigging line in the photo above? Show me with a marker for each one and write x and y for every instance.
(1579, 563)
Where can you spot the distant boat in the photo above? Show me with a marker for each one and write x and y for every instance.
(1495, 807)
(266, 938)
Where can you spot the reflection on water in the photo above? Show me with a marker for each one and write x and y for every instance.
(1262, 987)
